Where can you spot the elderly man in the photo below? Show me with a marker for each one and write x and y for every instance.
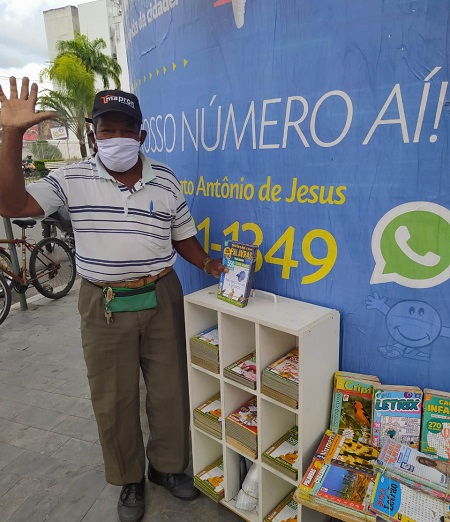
(130, 220)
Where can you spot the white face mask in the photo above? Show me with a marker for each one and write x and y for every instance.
(118, 154)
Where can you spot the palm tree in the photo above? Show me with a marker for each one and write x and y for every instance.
(71, 113)
(74, 96)
(90, 53)
(73, 73)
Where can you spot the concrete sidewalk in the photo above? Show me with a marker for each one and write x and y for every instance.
(51, 466)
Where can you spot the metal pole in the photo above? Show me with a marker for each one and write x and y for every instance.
(14, 259)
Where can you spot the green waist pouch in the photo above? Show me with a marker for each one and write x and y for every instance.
(129, 299)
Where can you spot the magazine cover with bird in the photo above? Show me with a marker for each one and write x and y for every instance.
(351, 414)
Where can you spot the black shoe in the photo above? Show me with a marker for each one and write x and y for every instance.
(131, 504)
(179, 484)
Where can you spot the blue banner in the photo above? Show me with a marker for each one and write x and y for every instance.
(318, 131)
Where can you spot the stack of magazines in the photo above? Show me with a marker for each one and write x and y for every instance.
(352, 405)
(435, 431)
(283, 454)
(414, 468)
(243, 371)
(410, 486)
(241, 429)
(205, 349)
(280, 379)
(285, 511)
(340, 478)
(208, 416)
(210, 481)
(393, 501)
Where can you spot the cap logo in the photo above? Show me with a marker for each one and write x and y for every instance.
(120, 99)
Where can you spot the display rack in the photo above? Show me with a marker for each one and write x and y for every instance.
(271, 325)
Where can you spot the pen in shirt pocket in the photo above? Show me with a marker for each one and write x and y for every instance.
(151, 208)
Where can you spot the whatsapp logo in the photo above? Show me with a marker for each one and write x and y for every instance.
(411, 246)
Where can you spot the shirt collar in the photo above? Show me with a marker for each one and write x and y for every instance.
(148, 173)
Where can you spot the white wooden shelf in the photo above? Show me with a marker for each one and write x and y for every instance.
(271, 326)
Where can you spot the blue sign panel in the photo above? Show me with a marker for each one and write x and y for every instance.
(318, 131)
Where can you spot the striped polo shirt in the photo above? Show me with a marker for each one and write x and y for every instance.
(119, 233)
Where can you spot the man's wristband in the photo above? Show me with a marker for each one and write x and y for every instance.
(206, 263)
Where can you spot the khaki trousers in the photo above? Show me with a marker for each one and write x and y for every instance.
(151, 341)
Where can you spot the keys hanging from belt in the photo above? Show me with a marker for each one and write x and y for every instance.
(108, 294)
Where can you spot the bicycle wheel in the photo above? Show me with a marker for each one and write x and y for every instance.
(5, 299)
(53, 274)
(5, 262)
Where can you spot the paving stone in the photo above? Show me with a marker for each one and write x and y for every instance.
(73, 374)
(75, 389)
(9, 430)
(43, 468)
(24, 489)
(79, 498)
(32, 508)
(41, 441)
(7, 454)
(49, 358)
(11, 409)
(11, 391)
(80, 452)
(31, 382)
(31, 500)
(14, 366)
(102, 510)
(78, 428)
(39, 398)
(75, 406)
(44, 370)
(75, 360)
(7, 481)
(161, 506)
(9, 353)
(40, 418)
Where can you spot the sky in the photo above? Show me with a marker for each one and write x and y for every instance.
(23, 44)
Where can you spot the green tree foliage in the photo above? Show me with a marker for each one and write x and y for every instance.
(43, 150)
(91, 55)
(73, 73)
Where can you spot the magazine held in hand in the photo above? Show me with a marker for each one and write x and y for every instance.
(235, 285)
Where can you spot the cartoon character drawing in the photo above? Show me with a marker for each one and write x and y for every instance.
(215, 481)
(217, 413)
(414, 325)
(290, 458)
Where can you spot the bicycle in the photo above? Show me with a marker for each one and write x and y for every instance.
(51, 267)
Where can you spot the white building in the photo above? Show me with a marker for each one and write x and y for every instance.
(97, 19)
(60, 24)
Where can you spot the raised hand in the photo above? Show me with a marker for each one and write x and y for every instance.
(19, 111)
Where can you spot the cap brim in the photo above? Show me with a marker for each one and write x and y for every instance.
(88, 120)
(97, 114)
